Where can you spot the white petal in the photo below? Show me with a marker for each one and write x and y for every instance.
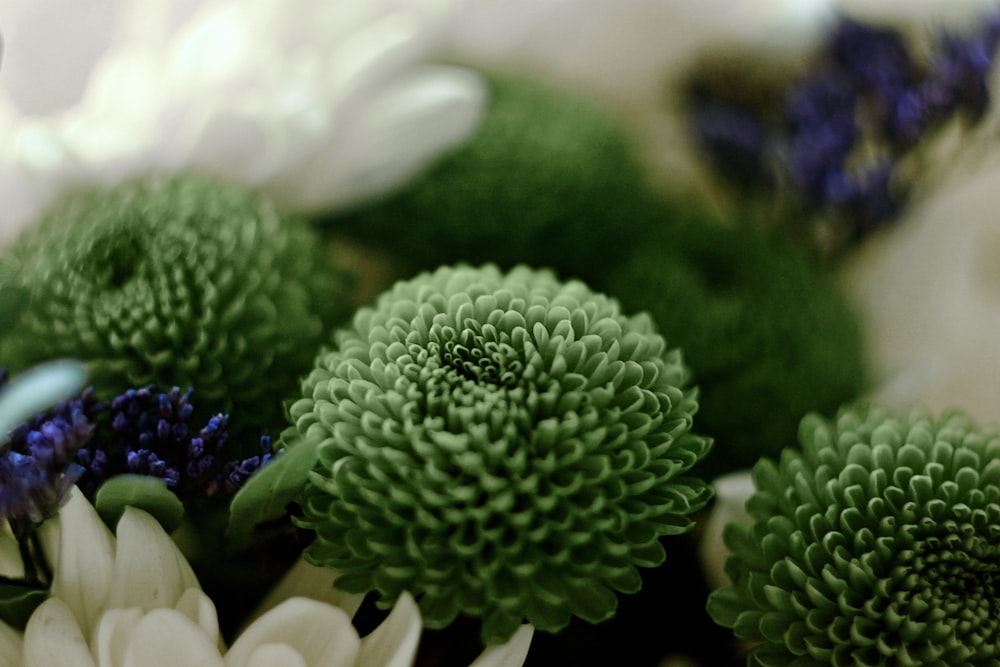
(277, 655)
(167, 638)
(388, 137)
(10, 556)
(11, 646)
(199, 608)
(113, 634)
(150, 571)
(511, 654)
(303, 579)
(394, 642)
(320, 633)
(731, 494)
(53, 638)
(85, 563)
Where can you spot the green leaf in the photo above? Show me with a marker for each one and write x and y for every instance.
(38, 389)
(267, 494)
(18, 601)
(143, 492)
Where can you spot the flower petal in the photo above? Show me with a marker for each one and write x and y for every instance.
(394, 642)
(403, 129)
(53, 638)
(320, 633)
(85, 563)
(168, 638)
(199, 608)
(150, 571)
(10, 557)
(11, 646)
(276, 655)
(113, 634)
(511, 654)
(303, 579)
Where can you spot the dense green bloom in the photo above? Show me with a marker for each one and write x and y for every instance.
(503, 446)
(177, 282)
(876, 544)
(546, 180)
(768, 335)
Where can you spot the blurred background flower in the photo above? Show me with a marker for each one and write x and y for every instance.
(319, 104)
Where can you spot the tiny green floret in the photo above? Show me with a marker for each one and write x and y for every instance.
(876, 544)
(502, 445)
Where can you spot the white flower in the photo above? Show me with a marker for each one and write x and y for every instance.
(731, 494)
(319, 103)
(928, 292)
(132, 600)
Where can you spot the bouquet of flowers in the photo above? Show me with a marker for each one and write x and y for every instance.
(448, 332)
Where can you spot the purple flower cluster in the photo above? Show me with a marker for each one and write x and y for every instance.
(37, 460)
(837, 134)
(151, 435)
(234, 474)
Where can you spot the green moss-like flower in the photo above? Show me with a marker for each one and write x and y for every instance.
(178, 282)
(877, 544)
(545, 170)
(768, 336)
(503, 446)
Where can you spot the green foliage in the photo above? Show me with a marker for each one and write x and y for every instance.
(18, 601)
(266, 495)
(143, 492)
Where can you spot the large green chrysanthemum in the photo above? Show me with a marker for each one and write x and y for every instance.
(177, 282)
(768, 335)
(503, 446)
(877, 544)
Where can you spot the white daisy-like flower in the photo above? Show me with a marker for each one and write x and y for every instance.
(318, 103)
(132, 600)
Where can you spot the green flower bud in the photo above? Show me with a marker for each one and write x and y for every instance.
(502, 445)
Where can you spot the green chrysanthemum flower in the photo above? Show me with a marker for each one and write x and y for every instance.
(769, 337)
(503, 446)
(177, 282)
(877, 544)
(544, 170)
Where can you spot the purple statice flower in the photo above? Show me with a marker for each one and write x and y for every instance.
(151, 434)
(838, 133)
(37, 460)
(956, 80)
(234, 474)
(735, 140)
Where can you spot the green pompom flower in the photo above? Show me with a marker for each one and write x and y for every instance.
(503, 446)
(545, 170)
(768, 335)
(177, 282)
(877, 544)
